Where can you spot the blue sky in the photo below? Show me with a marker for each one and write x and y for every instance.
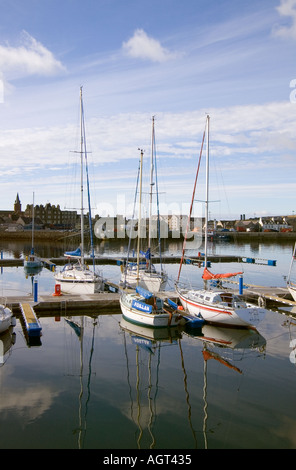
(172, 59)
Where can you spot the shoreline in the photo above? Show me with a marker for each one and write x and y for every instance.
(56, 235)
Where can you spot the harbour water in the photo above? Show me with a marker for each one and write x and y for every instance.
(96, 382)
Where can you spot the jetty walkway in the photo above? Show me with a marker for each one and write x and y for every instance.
(173, 259)
(102, 303)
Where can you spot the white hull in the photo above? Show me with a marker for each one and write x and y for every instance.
(78, 281)
(152, 281)
(6, 318)
(292, 290)
(240, 315)
(152, 320)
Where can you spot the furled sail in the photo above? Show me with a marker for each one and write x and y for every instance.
(207, 275)
(73, 254)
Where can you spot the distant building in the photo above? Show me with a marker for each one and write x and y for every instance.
(247, 225)
(52, 216)
(275, 224)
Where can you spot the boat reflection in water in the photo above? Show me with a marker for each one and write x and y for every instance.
(227, 346)
(151, 340)
(7, 340)
(78, 326)
(218, 343)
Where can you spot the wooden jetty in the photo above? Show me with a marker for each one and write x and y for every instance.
(107, 303)
(32, 324)
(51, 263)
(266, 296)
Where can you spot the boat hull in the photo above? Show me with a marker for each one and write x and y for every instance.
(79, 282)
(152, 320)
(32, 261)
(79, 287)
(6, 318)
(292, 290)
(220, 316)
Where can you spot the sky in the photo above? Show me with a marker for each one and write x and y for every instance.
(175, 60)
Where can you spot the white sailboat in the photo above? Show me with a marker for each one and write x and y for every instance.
(216, 306)
(7, 318)
(32, 261)
(144, 273)
(78, 278)
(290, 283)
(142, 307)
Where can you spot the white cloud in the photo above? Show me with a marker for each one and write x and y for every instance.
(141, 46)
(31, 57)
(287, 8)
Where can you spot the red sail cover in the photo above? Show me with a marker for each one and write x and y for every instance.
(207, 275)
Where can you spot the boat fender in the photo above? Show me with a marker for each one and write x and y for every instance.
(261, 302)
(180, 307)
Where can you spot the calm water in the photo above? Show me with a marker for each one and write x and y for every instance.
(116, 387)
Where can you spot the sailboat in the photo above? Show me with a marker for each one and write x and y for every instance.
(217, 306)
(141, 306)
(144, 273)
(292, 284)
(78, 278)
(33, 262)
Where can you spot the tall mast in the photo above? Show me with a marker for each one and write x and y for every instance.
(191, 205)
(151, 190)
(207, 192)
(81, 171)
(33, 226)
(139, 218)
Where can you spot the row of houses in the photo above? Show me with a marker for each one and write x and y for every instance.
(176, 225)
(261, 224)
(52, 217)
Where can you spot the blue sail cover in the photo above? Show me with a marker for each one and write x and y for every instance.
(76, 253)
(144, 292)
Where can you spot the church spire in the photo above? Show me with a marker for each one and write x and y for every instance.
(17, 205)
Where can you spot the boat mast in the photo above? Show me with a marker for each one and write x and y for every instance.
(33, 226)
(81, 172)
(207, 194)
(151, 193)
(157, 200)
(191, 205)
(139, 218)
